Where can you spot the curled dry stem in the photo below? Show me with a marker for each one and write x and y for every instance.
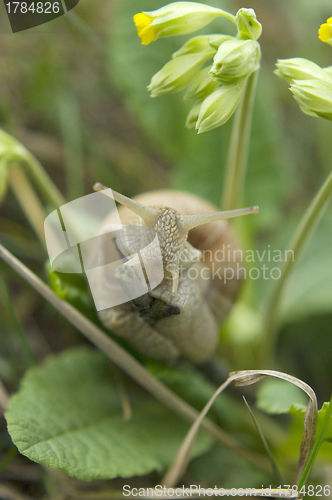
(244, 378)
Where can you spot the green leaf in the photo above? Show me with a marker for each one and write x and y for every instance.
(68, 415)
(73, 288)
(291, 446)
(192, 386)
(278, 396)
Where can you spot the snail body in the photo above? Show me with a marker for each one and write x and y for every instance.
(179, 317)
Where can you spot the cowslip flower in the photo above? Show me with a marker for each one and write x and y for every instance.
(215, 89)
(193, 115)
(176, 74)
(202, 43)
(247, 25)
(235, 59)
(298, 68)
(219, 106)
(314, 97)
(178, 18)
(184, 65)
(325, 31)
(201, 85)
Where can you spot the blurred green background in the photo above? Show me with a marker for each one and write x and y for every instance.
(74, 93)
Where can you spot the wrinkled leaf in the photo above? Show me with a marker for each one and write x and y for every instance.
(68, 415)
(73, 288)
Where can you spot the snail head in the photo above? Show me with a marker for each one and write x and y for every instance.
(172, 228)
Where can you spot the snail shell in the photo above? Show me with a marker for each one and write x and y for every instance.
(180, 317)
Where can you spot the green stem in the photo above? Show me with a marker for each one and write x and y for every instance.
(307, 225)
(317, 445)
(40, 177)
(14, 152)
(239, 147)
(27, 199)
(227, 15)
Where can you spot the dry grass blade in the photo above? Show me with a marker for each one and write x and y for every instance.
(244, 378)
(275, 469)
(128, 363)
(182, 459)
(310, 419)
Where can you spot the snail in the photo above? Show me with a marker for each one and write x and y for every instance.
(178, 318)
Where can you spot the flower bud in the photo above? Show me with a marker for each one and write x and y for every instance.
(325, 32)
(201, 85)
(219, 106)
(178, 18)
(216, 40)
(176, 74)
(314, 97)
(202, 43)
(247, 24)
(235, 60)
(298, 68)
(193, 115)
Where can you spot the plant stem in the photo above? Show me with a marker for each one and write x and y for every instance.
(40, 177)
(302, 234)
(28, 200)
(128, 363)
(239, 147)
(15, 152)
(317, 445)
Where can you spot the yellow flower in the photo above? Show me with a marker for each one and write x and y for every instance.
(177, 18)
(325, 31)
(145, 31)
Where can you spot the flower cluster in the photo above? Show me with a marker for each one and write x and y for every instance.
(213, 68)
(310, 84)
